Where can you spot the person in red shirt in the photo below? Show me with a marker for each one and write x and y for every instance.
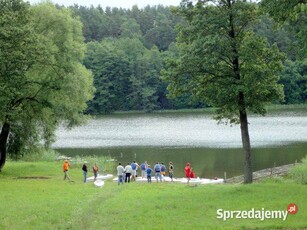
(187, 170)
(192, 174)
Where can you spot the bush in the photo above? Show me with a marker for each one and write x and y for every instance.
(299, 172)
(274, 179)
(39, 154)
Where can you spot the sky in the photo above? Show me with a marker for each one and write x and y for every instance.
(113, 3)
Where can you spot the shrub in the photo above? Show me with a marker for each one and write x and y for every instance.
(103, 162)
(299, 172)
(39, 154)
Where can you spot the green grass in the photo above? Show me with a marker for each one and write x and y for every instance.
(56, 204)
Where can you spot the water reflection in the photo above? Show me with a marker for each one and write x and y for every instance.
(212, 149)
(178, 130)
(207, 162)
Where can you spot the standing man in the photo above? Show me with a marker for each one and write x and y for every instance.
(95, 171)
(163, 170)
(128, 171)
(148, 172)
(171, 170)
(133, 173)
(120, 172)
(143, 169)
(84, 170)
(157, 169)
(65, 170)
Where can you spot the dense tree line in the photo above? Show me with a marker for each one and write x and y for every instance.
(127, 49)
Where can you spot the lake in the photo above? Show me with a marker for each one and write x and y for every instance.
(212, 149)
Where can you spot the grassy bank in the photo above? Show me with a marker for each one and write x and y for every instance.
(34, 195)
(273, 108)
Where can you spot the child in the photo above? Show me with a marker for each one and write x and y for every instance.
(192, 174)
(148, 171)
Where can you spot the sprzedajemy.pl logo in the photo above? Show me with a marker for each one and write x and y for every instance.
(261, 214)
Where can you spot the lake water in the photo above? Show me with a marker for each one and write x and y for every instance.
(212, 149)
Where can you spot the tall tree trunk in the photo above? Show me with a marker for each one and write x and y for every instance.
(248, 171)
(3, 143)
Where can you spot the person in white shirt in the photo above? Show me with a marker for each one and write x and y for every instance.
(120, 172)
(128, 171)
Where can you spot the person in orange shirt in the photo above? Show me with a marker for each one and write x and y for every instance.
(65, 169)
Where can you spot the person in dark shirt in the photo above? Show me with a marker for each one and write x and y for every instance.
(84, 170)
(171, 170)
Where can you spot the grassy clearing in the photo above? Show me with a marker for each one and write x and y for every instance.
(56, 204)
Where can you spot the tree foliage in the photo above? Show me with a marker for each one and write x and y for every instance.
(294, 79)
(293, 15)
(282, 10)
(42, 81)
(156, 27)
(126, 75)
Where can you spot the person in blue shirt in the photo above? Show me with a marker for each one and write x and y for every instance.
(143, 169)
(148, 172)
(157, 169)
(133, 173)
(163, 169)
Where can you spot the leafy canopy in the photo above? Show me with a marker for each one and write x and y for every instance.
(42, 81)
(221, 57)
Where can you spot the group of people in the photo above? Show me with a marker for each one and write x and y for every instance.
(129, 172)
(84, 170)
(66, 166)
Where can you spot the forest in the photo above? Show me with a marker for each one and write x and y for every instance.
(128, 48)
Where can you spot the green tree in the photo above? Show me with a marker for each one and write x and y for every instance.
(294, 79)
(225, 64)
(131, 29)
(111, 70)
(293, 15)
(161, 34)
(42, 81)
(282, 10)
(146, 80)
(286, 41)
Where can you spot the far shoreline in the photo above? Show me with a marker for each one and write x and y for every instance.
(271, 109)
